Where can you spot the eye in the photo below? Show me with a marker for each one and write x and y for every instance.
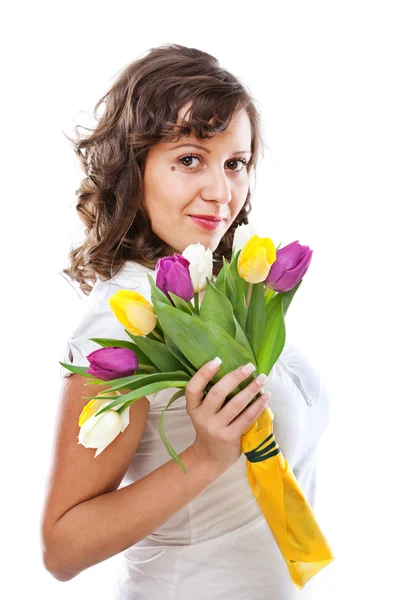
(189, 157)
(242, 161)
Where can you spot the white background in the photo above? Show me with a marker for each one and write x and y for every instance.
(326, 76)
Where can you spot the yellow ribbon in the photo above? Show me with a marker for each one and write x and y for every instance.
(283, 504)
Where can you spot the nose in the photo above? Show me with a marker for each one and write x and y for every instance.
(217, 187)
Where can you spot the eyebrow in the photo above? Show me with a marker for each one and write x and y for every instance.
(204, 148)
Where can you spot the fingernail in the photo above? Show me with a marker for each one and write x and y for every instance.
(215, 363)
(267, 397)
(249, 368)
(261, 379)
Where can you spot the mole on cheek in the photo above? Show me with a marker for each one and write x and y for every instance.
(173, 168)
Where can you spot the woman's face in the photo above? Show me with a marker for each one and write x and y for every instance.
(213, 182)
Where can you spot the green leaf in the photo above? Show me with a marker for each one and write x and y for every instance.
(164, 439)
(274, 335)
(240, 308)
(240, 283)
(133, 382)
(287, 297)
(241, 337)
(256, 317)
(173, 348)
(182, 304)
(131, 397)
(241, 287)
(79, 370)
(200, 340)
(217, 308)
(220, 280)
(156, 293)
(230, 284)
(157, 352)
(102, 398)
(120, 381)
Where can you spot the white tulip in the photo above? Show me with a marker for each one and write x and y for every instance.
(242, 235)
(201, 265)
(98, 432)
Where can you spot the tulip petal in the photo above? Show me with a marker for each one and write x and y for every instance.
(112, 362)
(291, 264)
(99, 451)
(255, 259)
(89, 410)
(201, 265)
(133, 311)
(125, 419)
(172, 275)
(242, 234)
(100, 431)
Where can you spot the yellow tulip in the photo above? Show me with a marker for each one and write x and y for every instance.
(134, 312)
(88, 410)
(256, 258)
(93, 406)
(98, 432)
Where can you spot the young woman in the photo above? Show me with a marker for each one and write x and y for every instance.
(179, 138)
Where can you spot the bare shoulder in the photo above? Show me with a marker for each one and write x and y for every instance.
(75, 475)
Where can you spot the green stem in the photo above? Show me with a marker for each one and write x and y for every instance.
(146, 368)
(196, 302)
(249, 290)
(268, 295)
(158, 336)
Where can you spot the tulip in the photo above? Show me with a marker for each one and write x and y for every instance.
(201, 265)
(98, 432)
(112, 362)
(256, 258)
(134, 312)
(172, 275)
(242, 235)
(290, 266)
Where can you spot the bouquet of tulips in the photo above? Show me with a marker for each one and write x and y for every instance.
(241, 320)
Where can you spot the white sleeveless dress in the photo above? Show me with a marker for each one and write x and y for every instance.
(219, 546)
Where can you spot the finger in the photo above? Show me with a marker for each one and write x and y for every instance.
(248, 416)
(220, 390)
(194, 389)
(239, 402)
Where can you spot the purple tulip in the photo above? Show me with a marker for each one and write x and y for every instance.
(172, 275)
(290, 266)
(112, 362)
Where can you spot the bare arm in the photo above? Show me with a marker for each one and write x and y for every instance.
(86, 519)
(108, 524)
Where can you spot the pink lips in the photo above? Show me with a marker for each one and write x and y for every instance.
(206, 223)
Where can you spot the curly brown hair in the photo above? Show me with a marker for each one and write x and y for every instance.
(140, 110)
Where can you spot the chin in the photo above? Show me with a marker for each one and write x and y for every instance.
(212, 243)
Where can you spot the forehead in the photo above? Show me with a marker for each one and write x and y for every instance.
(238, 133)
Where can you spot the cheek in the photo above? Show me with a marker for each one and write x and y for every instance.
(243, 191)
(172, 188)
(166, 194)
(240, 195)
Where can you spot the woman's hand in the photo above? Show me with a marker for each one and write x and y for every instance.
(219, 430)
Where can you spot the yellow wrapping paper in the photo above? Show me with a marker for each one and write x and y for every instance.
(283, 504)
